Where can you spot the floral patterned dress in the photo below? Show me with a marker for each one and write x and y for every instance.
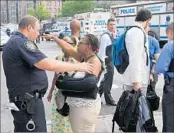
(59, 124)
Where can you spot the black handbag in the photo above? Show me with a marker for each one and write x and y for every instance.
(152, 97)
(64, 111)
(85, 87)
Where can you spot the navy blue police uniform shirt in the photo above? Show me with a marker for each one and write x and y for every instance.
(19, 57)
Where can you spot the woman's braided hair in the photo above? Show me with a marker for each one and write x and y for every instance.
(94, 42)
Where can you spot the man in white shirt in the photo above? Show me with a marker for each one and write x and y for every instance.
(105, 54)
(137, 73)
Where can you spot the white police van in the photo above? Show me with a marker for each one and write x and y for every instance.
(162, 15)
(93, 22)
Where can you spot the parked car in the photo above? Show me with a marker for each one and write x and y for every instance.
(3, 40)
(53, 32)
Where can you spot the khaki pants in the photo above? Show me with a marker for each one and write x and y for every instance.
(83, 119)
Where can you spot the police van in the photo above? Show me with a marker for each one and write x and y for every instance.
(93, 22)
(162, 15)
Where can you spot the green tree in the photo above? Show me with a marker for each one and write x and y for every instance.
(70, 8)
(40, 12)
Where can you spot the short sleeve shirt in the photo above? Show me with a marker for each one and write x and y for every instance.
(19, 57)
(153, 47)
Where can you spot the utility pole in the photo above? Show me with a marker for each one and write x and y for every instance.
(17, 12)
(7, 11)
(34, 1)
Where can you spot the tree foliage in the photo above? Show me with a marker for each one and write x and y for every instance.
(41, 12)
(70, 8)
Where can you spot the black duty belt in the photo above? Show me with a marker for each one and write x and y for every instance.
(22, 97)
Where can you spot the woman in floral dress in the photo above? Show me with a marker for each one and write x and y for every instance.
(59, 123)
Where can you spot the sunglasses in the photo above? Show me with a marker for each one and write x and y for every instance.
(70, 43)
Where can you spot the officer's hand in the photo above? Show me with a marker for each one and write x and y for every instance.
(49, 97)
(86, 67)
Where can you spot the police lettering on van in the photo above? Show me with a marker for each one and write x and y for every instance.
(127, 11)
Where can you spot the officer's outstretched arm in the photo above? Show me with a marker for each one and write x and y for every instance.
(59, 66)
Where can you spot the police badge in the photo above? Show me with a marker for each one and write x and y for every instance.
(31, 46)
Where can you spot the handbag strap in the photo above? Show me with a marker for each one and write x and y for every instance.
(73, 73)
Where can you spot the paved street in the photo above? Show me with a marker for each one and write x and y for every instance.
(106, 114)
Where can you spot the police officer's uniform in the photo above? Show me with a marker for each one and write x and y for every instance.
(19, 57)
(165, 64)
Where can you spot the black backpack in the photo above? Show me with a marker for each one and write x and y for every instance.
(120, 56)
(127, 111)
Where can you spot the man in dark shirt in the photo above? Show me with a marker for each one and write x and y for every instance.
(24, 66)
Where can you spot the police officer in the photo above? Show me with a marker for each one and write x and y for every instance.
(24, 66)
(165, 65)
(154, 50)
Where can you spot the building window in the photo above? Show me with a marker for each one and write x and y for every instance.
(48, 3)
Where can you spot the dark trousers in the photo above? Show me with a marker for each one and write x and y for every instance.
(168, 107)
(106, 83)
(22, 117)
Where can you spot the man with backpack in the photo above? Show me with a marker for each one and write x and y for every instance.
(136, 75)
(130, 55)
(105, 54)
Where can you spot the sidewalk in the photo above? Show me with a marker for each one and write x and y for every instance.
(104, 123)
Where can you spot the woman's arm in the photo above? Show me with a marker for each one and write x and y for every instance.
(49, 97)
(65, 46)
(53, 82)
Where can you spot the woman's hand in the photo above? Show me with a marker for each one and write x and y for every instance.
(49, 36)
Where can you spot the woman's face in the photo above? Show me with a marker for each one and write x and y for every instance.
(83, 46)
